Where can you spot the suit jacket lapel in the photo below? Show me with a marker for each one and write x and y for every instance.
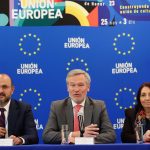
(88, 109)
(12, 116)
(69, 114)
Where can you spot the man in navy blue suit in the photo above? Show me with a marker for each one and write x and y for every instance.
(19, 122)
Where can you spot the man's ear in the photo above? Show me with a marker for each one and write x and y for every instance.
(88, 89)
(13, 88)
(67, 88)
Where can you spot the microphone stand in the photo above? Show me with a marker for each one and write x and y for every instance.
(81, 124)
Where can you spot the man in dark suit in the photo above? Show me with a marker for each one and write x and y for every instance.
(20, 125)
(96, 120)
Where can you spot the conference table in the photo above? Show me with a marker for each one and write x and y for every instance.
(79, 147)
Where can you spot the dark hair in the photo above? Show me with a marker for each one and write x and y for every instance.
(139, 106)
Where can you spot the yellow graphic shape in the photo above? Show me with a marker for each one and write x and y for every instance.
(25, 3)
(78, 11)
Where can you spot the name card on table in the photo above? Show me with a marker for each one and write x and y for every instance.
(6, 142)
(84, 140)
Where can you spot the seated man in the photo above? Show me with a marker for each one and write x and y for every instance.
(16, 118)
(96, 120)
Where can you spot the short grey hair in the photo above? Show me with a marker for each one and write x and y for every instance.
(75, 72)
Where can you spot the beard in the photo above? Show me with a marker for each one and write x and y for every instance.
(4, 100)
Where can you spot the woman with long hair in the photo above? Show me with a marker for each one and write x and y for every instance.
(138, 115)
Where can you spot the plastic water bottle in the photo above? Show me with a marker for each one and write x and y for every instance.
(139, 133)
(64, 134)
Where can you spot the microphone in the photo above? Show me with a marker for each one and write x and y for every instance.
(81, 123)
(144, 125)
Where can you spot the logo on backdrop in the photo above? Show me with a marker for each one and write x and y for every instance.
(29, 44)
(125, 98)
(34, 93)
(76, 42)
(38, 125)
(129, 42)
(29, 68)
(36, 9)
(119, 123)
(124, 45)
(75, 62)
(124, 68)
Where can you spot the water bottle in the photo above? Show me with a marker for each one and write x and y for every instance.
(139, 133)
(64, 134)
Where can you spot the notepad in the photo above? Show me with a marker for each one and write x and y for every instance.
(6, 142)
(84, 140)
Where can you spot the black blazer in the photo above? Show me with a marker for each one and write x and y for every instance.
(128, 133)
(21, 122)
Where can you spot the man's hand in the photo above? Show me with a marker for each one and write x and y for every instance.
(2, 132)
(72, 136)
(16, 140)
(76, 134)
(91, 131)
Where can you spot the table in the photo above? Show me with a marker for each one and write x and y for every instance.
(79, 147)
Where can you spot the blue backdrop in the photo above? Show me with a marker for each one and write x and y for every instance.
(116, 56)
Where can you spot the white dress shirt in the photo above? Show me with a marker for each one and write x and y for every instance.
(6, 112)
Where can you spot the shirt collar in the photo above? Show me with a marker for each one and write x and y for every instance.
(7, 106)
(74, 104)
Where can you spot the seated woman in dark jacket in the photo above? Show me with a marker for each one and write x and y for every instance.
(139, 114)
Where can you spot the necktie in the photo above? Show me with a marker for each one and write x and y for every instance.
(2, 117)
(76, 121)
